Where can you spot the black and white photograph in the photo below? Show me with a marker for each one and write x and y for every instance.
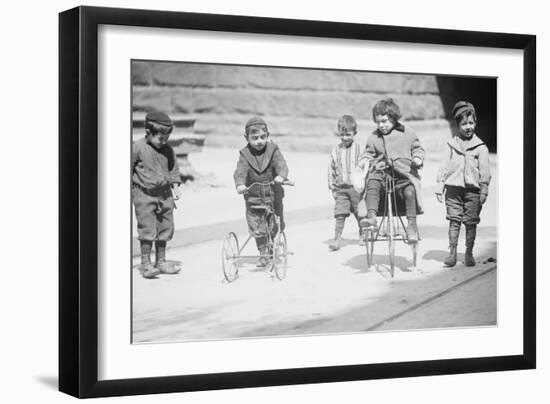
(282, 201)
(253, 202)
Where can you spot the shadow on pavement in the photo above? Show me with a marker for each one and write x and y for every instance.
(345, 242)
(359, 262)
(440, 255)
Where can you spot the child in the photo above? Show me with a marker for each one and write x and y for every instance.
(392, 142)
(344, 159)
(260, 161)
(464, 177)
(155, 174)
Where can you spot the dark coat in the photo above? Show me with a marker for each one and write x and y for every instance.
(264, 166)
(154, 168)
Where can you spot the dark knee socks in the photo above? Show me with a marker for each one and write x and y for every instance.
(339, 222)
(409, 194)
(146, 247)
(160, 251)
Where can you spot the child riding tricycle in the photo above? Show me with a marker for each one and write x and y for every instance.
(394, 155)
(260, 173)
(269, 230)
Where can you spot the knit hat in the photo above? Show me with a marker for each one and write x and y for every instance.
(255, 120)
(159, 117)
(461, 107)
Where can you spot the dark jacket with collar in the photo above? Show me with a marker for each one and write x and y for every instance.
(264, 166)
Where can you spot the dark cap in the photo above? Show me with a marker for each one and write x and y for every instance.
(255, 120)
(159, 117)
(461, 107)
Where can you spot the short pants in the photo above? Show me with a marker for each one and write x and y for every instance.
(346, 201)
(463, 204)
(154, 214)
(259, 225)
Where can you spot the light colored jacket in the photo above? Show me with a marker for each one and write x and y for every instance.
(465, 163)
(343, 161)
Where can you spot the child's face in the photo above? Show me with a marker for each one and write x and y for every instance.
(384, 123)
(158, 141)
(257, 137)
(346, 135)
(467, 126)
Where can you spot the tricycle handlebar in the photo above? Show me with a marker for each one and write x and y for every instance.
(270, 183)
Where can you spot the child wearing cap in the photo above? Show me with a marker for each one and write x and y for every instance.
(464, 178)
(155, 175)
(344, 159)
(392, 142)
(260, 161)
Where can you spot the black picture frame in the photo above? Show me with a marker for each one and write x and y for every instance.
(78, 206)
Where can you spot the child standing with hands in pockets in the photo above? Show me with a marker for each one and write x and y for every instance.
(155, 182)
(464, 177)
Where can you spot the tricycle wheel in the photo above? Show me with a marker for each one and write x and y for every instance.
(230, 256)
(280, 254)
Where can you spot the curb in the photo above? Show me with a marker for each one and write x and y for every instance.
(430, 299)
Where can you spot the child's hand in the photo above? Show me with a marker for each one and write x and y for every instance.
(177, 191)
(241, 189)
(278, 180)
(482, 198)
(417, 162)
(163, 182)
(440, 193)
(381, 165)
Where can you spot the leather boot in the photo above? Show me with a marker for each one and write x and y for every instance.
(469, 259)
(412, 230)
(370, 220)
(147, 270)
(160, 253)
(336, 243)
(264, 259)
(454, 232)
(161, 264)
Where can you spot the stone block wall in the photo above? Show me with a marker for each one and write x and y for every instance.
(301, 106)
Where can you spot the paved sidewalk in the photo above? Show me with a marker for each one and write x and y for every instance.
(324, 292)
